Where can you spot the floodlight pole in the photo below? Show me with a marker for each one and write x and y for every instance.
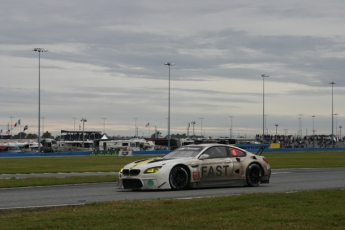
(83, 120)
(313, 132)
(39, 50)
(11, 127)
(263, 105)
(231, 126)
(169, 64)
(332, 83)
(193, 123)
(340, 133)
(336, 125)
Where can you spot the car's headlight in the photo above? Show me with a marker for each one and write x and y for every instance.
(121, 170)
(153, 170)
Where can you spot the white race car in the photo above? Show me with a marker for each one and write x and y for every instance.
(193, 166)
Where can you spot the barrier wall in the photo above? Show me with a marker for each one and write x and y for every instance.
(154, 152)
(161, 152)
(57, 154)
(295, 149)
(44, 154)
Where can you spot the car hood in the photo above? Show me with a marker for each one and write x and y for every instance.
(153, 162)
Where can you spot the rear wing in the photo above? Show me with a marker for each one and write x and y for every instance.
(260, 151)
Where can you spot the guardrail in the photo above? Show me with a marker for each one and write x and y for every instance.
(154, 152)
(56, 154)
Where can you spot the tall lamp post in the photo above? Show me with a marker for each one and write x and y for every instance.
(313, 132)
(263, 105)
(42, 125)
(39, 50)
(336, 124)
(193, 123)
(332, 83)
(169, 64)
(11, 127)
(83, 120)
(266, 124)
(341, 139)
(276, 125)
(300, 124)
(231, 126)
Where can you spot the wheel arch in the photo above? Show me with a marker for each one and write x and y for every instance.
(185, 167)
(187, 170)
(258, 163)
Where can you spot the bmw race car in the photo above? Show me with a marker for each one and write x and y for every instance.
(194, 166)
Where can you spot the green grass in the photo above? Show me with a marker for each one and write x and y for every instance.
(303, 210)
(306, 159)
(99, 163)
(42, 181)
(113, 163)
(107, 163)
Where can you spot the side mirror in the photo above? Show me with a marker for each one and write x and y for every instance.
(204, 156)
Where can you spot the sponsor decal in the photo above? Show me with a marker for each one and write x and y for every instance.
(196, 175)
(125, 153)
(217, 171)
(190, 148)
(150, 183)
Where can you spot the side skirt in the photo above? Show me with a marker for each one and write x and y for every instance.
(225, 183)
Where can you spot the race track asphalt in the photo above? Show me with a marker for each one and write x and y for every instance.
(282, 180)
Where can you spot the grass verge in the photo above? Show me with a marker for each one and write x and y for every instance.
(303, 210)
(42, 181)
(99, 163)
(307, 159)
(107, 163)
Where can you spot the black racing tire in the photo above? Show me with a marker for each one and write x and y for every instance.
(253, 175)
(178, 178)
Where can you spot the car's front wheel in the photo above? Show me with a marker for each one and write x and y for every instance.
(253, 175)
(178, 178)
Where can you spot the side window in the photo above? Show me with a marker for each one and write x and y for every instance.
(216, 152)
(236, 152)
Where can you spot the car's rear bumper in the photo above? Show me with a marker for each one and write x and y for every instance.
(266, 178)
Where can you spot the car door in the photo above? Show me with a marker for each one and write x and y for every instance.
(237, 156)
(217, 167)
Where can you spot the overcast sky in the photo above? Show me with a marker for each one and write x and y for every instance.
(106, 59)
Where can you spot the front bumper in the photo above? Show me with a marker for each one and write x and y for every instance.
(139, 179)
(142, 183)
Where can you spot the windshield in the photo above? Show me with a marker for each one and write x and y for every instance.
(185, 151)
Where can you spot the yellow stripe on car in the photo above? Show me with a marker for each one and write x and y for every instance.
(143, 162)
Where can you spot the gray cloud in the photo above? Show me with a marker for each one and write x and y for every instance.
(106, 59)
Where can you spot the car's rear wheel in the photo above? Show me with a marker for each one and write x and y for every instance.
(178, 178)
(253, 175)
